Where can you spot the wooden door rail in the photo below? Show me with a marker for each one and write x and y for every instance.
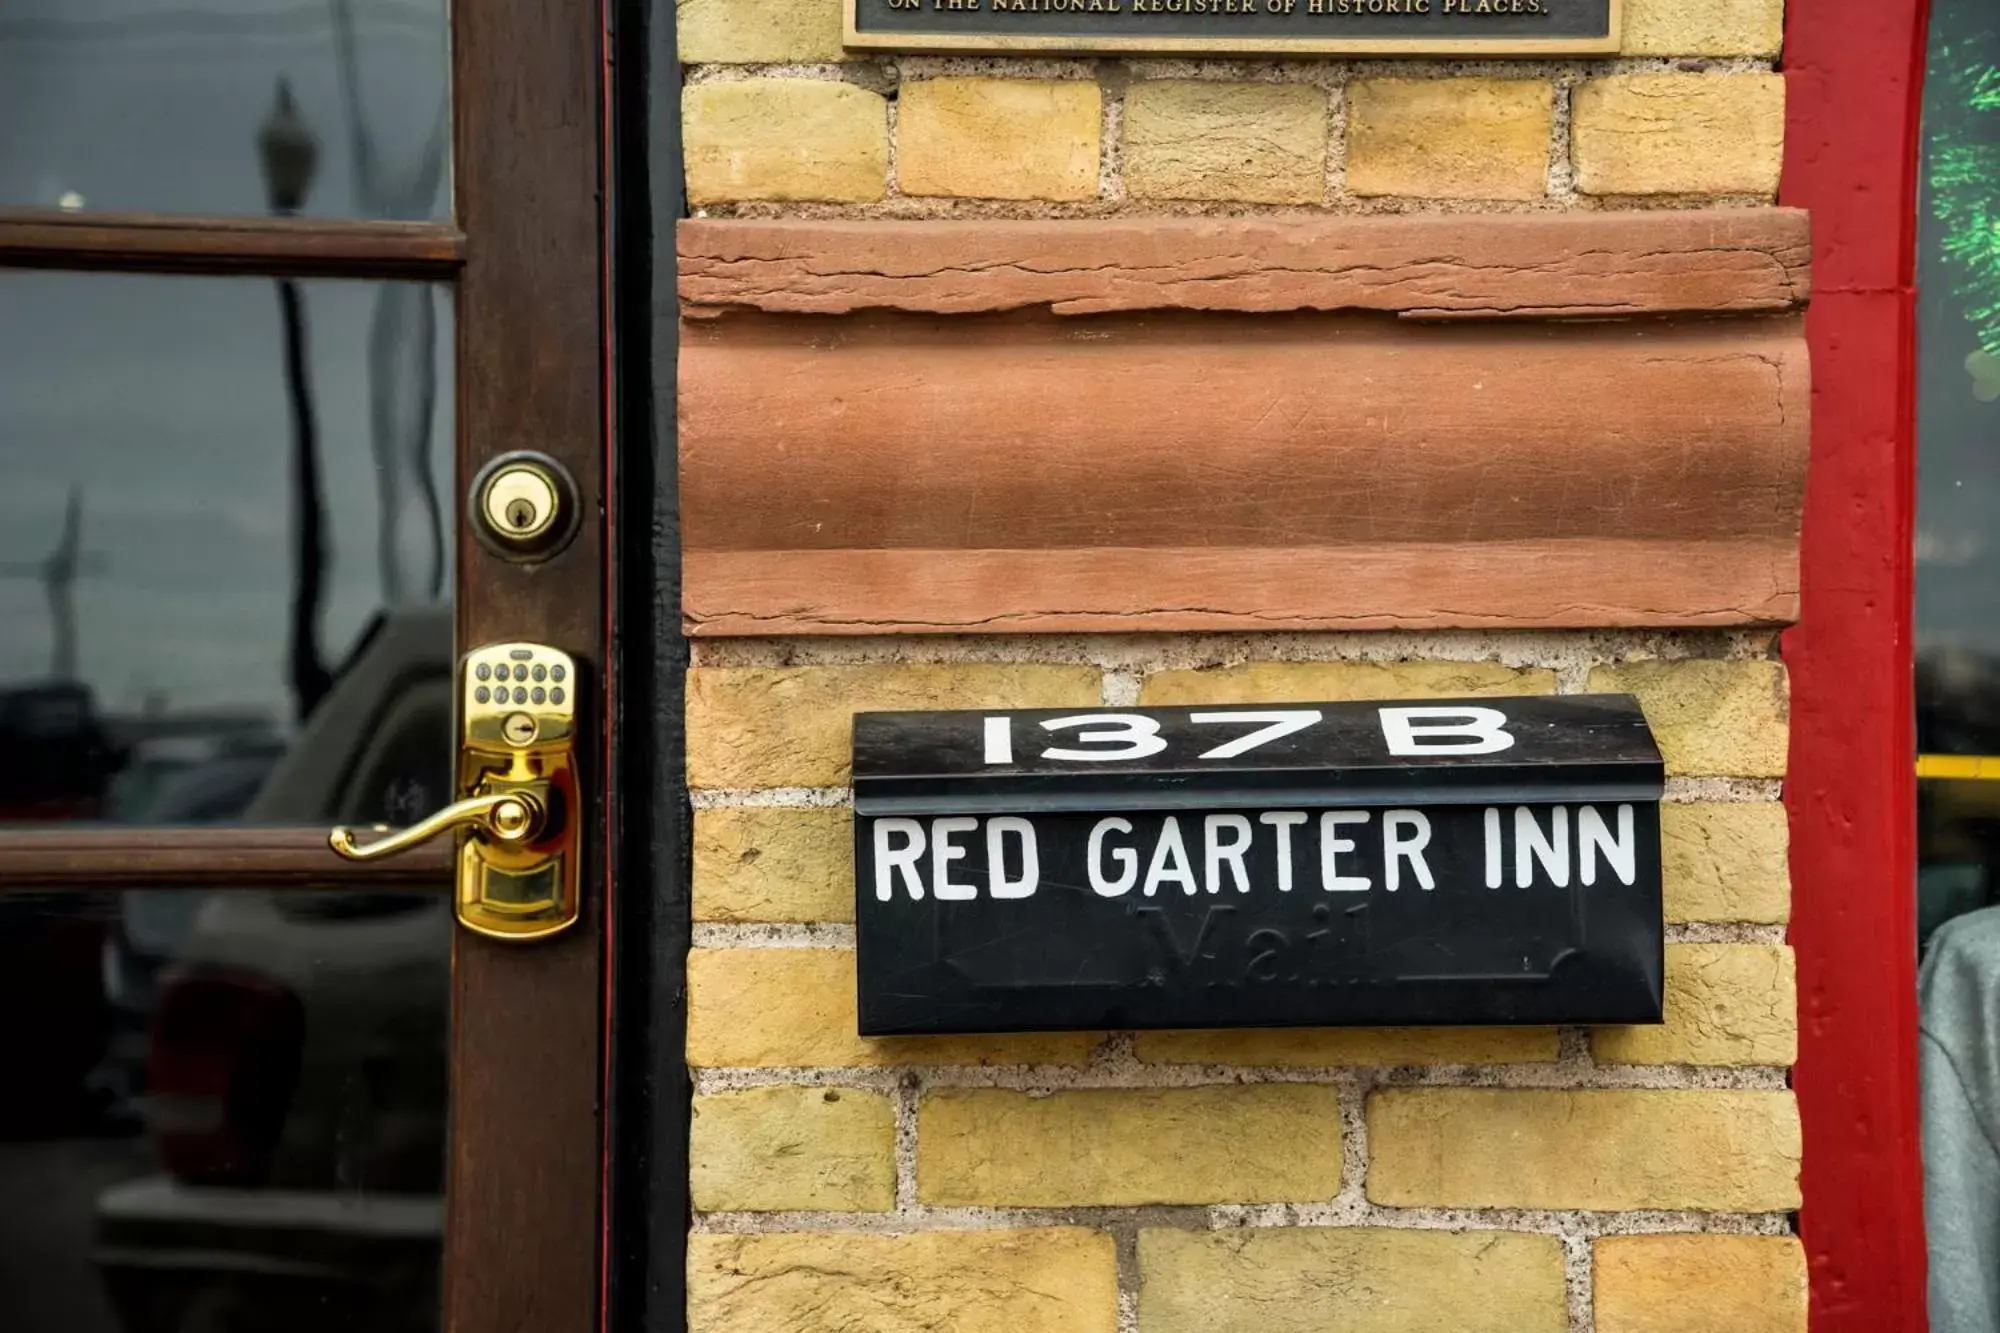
(290, 247)
(84, 857)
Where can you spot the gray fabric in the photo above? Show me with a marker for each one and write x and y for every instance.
(1959, 1074)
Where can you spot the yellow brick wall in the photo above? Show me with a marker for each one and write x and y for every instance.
(1383, 1181)
(777, 117)
(1374, 1179)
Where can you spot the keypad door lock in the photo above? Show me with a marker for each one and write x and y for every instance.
(518, 818)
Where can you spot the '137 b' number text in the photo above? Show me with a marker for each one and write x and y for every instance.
(1108, 737)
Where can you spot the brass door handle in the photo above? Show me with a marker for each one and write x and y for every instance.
(517, 876)
(510, 817)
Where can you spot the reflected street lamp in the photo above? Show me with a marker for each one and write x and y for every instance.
(288, 152)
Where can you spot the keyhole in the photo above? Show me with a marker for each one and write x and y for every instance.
(525, 505)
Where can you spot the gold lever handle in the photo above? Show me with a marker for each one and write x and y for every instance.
(508, 817)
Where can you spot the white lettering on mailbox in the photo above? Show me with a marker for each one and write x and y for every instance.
(943, 852)
(889, 860)
(1128, 736)
(1399, 845)
(1436, 730)
(1216, 853)
(1530, 846)
(1002, 884)
(1170, 860)
(1547, 854)
(1282, 822)
(1103, 738)
(1594, 837)
(1281, 722)
(1552, 846)
(1101, 884)
(1332, 844)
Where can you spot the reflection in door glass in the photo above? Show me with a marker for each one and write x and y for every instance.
(225, 556)
(1958, 663)
(204, 106)
(236, 1130)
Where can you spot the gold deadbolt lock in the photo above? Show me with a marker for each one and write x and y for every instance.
(521, 502)
(517, 821)
(524, 506)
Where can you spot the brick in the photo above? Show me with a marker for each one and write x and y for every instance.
(762, 864)
(1679, 134)
(1449, 138)
(1609, 1149)
(1308, 1279)
(1725, 861)
(1699, 1284)
(777, 1148)
(999, 138)
(784, 139)
(1050, 1280)
(794, 1008)
(1312, 682)
(1727, 1004)
(792, 726)
(1310, 1048)
(1711, 719)
(1259, 142)
(1257, 1143)
(1703, 27)
(758, 31)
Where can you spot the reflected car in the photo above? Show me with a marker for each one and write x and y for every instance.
(60, 762)
(183, 786)
(295, 1076)
(60, 756)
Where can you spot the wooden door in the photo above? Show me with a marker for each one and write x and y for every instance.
(274, 285)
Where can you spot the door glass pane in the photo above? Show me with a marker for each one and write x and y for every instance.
(225, 550)
(158, 106)
(232, 1125)
(1958, 660)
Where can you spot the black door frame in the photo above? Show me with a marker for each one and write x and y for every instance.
(646, 1172)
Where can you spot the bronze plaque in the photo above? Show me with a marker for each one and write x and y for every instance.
(1239, 27)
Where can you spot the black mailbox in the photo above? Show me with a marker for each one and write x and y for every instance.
(1464, 861)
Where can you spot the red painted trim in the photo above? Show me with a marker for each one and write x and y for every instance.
(1853, 82)
(607, 113)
